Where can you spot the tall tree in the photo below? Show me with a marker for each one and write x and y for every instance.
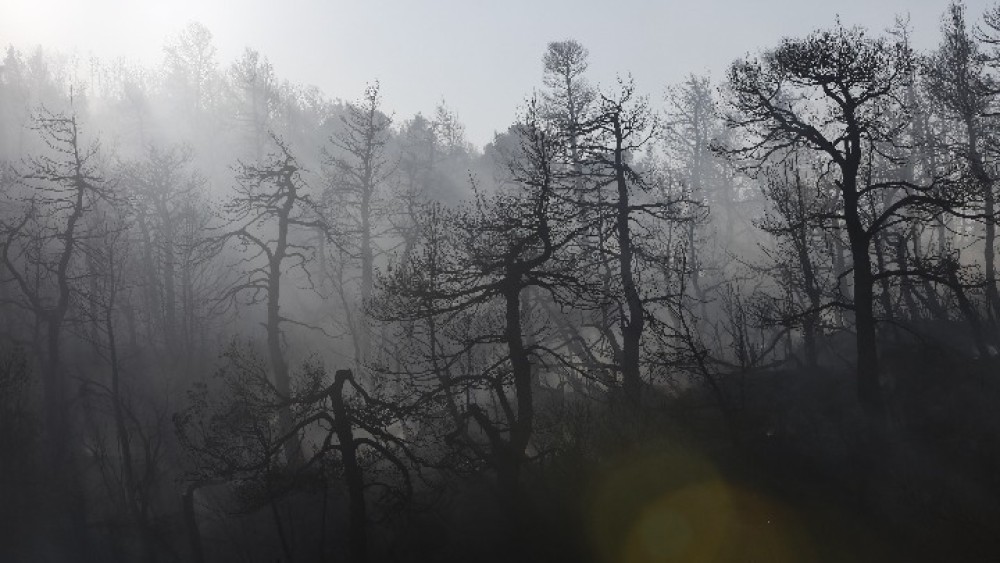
(357, 171)
(190, 63)
(692, 124)
(41, 247)
(472, 278)
(162, 186)
(568, 97)
(252, 78)
(617, 130)
(799, 200)
(41, 250)
(271, 203)
(830, 93)
(957, 77)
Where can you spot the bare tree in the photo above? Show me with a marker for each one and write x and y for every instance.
(799, 200)
(163, 189)
(190, 63)
(569, 97)
(271, 203)
(230, 434)
(252, 77)
(611, 137)
(472, 278)
(829, 93)
(132, 468)
(357, 172)
(691, 124)
(957, 77)
(41, 248)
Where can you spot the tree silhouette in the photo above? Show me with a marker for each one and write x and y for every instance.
(828, 93)
(270, 204)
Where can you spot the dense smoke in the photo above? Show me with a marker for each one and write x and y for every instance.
(752, 319)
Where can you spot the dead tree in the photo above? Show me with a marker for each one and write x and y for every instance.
(132, 467)
(474, 279)
(163, 191)
(231, 437)
(609, 140)
(798, 202)
(357, 171)
(40, 250)
(271, 204)
(829, 93)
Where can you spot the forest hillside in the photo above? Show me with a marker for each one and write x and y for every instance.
(754, 319)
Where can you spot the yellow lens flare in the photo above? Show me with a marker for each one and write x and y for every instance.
(679, 509)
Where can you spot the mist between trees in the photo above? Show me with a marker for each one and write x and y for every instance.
(756, 319)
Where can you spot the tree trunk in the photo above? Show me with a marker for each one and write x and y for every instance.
(191, 524)
(169, 288)
(521, 428)
(279, 365)
(989, 208)
(869, 389)
(632, 327)
(357, 511)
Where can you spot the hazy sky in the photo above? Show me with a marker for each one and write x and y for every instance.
(483, 57)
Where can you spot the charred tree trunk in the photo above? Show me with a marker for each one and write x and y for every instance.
(633, 325)
(353, 476)
(869, 389)
(520, 362)
(279, 365)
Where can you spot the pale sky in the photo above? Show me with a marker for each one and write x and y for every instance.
(482, 57)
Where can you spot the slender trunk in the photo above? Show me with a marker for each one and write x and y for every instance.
(885, 293)
(169, 293)
(60, 428)
(132, 492)
(151, 289)
(869, 389)
(969, 311)
(836, 248)
(187, 310)
(989, 209)
(357, 511)
(989, 255)
(279, 365)
(632, 327)
(811, 322)
(521, 428)
(124, 445)
(906, 287)
(367, 274)
(55, 384)
(510, 454)
(367, 253)
(443, 373)
(191, 525)
(56, 401)
(810, 330)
